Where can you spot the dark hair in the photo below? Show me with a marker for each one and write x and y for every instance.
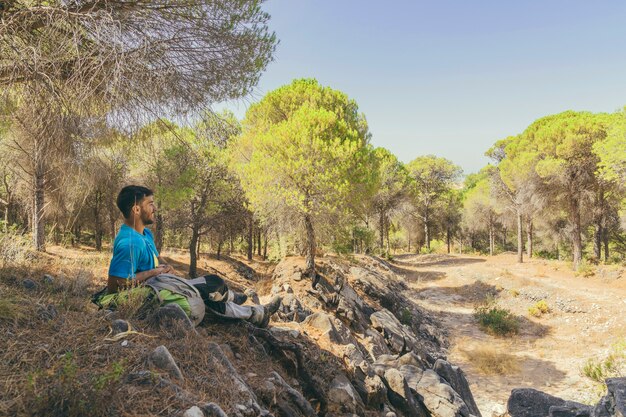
(131, 195)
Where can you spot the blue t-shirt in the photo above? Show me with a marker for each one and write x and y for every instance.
(132, 253)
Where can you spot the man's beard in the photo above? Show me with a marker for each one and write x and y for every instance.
(146, 219)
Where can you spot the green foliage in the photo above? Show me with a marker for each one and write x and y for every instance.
(406, 317)
(304, 154)
(539, 308)
(585, 269)
(611, 366)
(496, 320)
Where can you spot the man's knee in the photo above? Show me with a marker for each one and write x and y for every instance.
(215, 284)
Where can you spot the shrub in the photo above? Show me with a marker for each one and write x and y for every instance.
(406, 317)
(613, 365)
(585, 269)
(514, 292)
(496, 320)
(539, 308)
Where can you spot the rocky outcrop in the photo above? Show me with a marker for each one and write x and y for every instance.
(387, 345)
(526, 402)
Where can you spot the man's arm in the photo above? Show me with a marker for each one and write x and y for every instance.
(114, 283)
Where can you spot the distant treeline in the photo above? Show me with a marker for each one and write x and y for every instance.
(298, 175)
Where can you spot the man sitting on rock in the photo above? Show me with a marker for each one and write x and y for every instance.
(136, 260)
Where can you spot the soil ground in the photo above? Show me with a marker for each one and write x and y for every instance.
(586, 319)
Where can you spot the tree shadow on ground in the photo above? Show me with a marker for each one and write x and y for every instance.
(465, 295)
(412, 276)
(434, 260)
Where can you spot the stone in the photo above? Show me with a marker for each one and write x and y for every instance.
(400, 395)
(220, 363)
(376, 391)
(617, 395)
(194, 411)
(439, 397)
(375, 344)
(48, 279)
(120, 326)
(162, 359)
(569, 411)
(289, 398)
(29, 284)
(455, 377)
(336, 332)
(399, 338)
(528, 402)
(172, 317)
(213, 410)
(343, 397)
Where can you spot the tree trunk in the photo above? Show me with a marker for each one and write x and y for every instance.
(387, 233)
(448, 238)
(193, 247)
(426, 232)
(219, 249)
(520, 240)
(597, 240)
(605, 238)
(258, 245)
(491, 238)
(381, 227)
(577, 246)
(39, 224)
(250, 238)
(265, 246)
(529, 237)
(310, 247)
(158, 232)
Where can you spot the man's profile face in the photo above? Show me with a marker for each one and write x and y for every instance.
(148, 210)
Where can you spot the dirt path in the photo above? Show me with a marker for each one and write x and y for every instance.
(586, 318)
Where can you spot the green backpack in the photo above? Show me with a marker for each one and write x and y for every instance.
(167, 289)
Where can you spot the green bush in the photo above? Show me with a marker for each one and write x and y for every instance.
(496, 320)
(585, 269)
(613, 365)
(539, 308)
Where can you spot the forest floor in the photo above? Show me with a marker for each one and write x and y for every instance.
(586, 319)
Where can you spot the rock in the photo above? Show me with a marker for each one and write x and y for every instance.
(569, 411)
(221, 365)
(282, 332)
(400, 395)
(376, 391)
(29, 284)
(120, 326)
(194, 411)
(439, 397)
(343, 397)
(455, 377)
(162, 359)
(172, 318)
(290, 398)
(48, 312)
(614, 403)
(528, 402)
(336, 332)
(48, 279)
(398, 337)
(375, 344)
(213, 410)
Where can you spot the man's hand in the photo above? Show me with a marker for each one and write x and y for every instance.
(165, 269)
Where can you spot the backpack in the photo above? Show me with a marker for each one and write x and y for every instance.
(166, 288)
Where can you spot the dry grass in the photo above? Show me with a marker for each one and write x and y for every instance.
(490, 361)
(66, 366)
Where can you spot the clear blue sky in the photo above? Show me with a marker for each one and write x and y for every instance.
(451, 77)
